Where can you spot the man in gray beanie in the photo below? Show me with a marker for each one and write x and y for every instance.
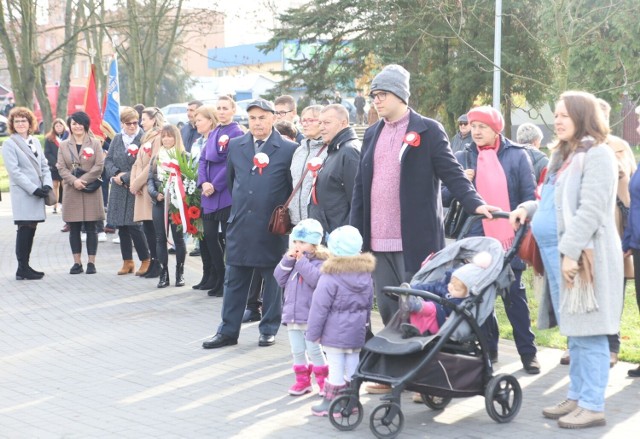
(396, 202)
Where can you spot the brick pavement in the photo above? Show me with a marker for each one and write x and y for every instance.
(107, 356)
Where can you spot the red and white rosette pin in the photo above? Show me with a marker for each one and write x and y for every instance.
(133, 149)
(223, 141)
(314, 165)
(88, 152)
(260, 161)
(410, 139)
(146, 147)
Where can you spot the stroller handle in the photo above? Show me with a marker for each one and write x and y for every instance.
(517, 241)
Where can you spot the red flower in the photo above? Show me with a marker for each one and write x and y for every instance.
(175, 218)
(194, 212)
(412, 138)
(192, 230)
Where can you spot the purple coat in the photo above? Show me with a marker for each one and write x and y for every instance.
(299, 280)
(212, 168)
(341, 304)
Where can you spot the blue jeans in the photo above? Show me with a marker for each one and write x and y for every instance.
(589, 371)
(301, 348)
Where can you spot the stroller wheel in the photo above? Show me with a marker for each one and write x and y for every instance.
(436, 402)
(503, 398)
(386, 420)
(345, 412)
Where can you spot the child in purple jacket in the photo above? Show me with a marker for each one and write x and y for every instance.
(341, 308)
(298, 273)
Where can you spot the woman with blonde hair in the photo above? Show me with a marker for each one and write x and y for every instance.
(575, 228)
(151, 121)
(30, 182)
(80, 163)
(216, 197)
(156, 183)
(121, 157)
(51, 146)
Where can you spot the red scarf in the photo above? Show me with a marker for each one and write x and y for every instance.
(491, 183)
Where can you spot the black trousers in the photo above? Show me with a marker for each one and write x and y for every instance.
(150, 235)
(133, 235)
(161, 237)
(212, 248)
(92, 237)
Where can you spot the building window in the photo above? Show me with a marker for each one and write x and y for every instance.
(85, 68)
(76, 70)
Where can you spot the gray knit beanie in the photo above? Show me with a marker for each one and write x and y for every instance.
(393, 78)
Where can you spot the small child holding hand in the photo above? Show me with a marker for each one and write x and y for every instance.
(298, 273)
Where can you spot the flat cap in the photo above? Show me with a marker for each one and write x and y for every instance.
(463, 118)
(263, 104)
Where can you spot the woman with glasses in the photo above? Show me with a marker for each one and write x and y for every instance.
(152, 121)
(29, 181)
(216, 197)
(80, 163)
(123, 152)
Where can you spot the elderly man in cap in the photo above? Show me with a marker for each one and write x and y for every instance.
(463, 136)
(396, 199)
(259, 177)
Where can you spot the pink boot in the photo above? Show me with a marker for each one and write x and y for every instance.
(303, 380)
(321, 373)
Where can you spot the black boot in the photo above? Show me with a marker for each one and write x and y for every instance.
(203, 281)
(179, 275)
(31, 233)
(24, 272)
(164, 277)
(154, 269)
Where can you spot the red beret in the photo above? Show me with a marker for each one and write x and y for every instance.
(488, 116)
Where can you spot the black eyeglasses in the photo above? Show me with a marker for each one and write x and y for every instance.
(381, 96)
(282, 113)
(461, 124)
(135, 122)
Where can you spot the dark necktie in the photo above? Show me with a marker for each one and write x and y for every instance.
(259, 144)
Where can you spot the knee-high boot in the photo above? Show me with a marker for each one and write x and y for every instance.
(179, 275)
(24, 244)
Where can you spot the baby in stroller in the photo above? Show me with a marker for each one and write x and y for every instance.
(426, 317)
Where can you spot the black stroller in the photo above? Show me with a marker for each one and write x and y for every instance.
(451, 364)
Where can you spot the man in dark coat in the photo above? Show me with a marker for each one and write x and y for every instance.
(332, 190)
(259, 176)
(189, 132)
(396, 199)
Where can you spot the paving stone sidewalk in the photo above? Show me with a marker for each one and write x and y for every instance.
(107, 356)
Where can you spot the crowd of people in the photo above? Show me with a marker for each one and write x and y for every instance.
(364, 215)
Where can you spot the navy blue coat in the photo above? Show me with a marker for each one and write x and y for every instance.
(254, 196)
(421, 169)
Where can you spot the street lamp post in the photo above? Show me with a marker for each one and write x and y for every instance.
(497, 49)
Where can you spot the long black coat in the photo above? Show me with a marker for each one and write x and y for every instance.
(254, 196)
(121, 200)
(421, 168)
(334, 185)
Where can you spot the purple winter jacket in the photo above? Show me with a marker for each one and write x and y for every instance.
(299, 280)
(212, 168)
(342, 302)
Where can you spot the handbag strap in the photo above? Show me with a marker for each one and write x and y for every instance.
(304, 174)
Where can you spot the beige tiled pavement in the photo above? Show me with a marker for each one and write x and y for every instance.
(107, 356)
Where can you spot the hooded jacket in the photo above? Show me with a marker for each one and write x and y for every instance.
(342, 302)
(299, 279)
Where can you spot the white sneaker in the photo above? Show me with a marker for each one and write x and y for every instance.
(83, 237)
(102, 237)
(116, 240)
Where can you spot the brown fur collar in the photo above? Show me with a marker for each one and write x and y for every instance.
(322, 253)
(364, 262)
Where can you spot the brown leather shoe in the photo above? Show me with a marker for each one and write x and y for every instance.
(613, 359)
(144, 267)
(66, 228)
(582, 418)
(566, 358)
(127, 267)
(377, 389)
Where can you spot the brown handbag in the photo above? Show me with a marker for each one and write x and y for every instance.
(280, 221)
(530, 253)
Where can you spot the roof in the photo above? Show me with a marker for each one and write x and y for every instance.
(246, 54)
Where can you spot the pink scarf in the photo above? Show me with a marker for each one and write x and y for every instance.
(491, 183)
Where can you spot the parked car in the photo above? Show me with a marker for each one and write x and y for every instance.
(3, 126)
(176, 114)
